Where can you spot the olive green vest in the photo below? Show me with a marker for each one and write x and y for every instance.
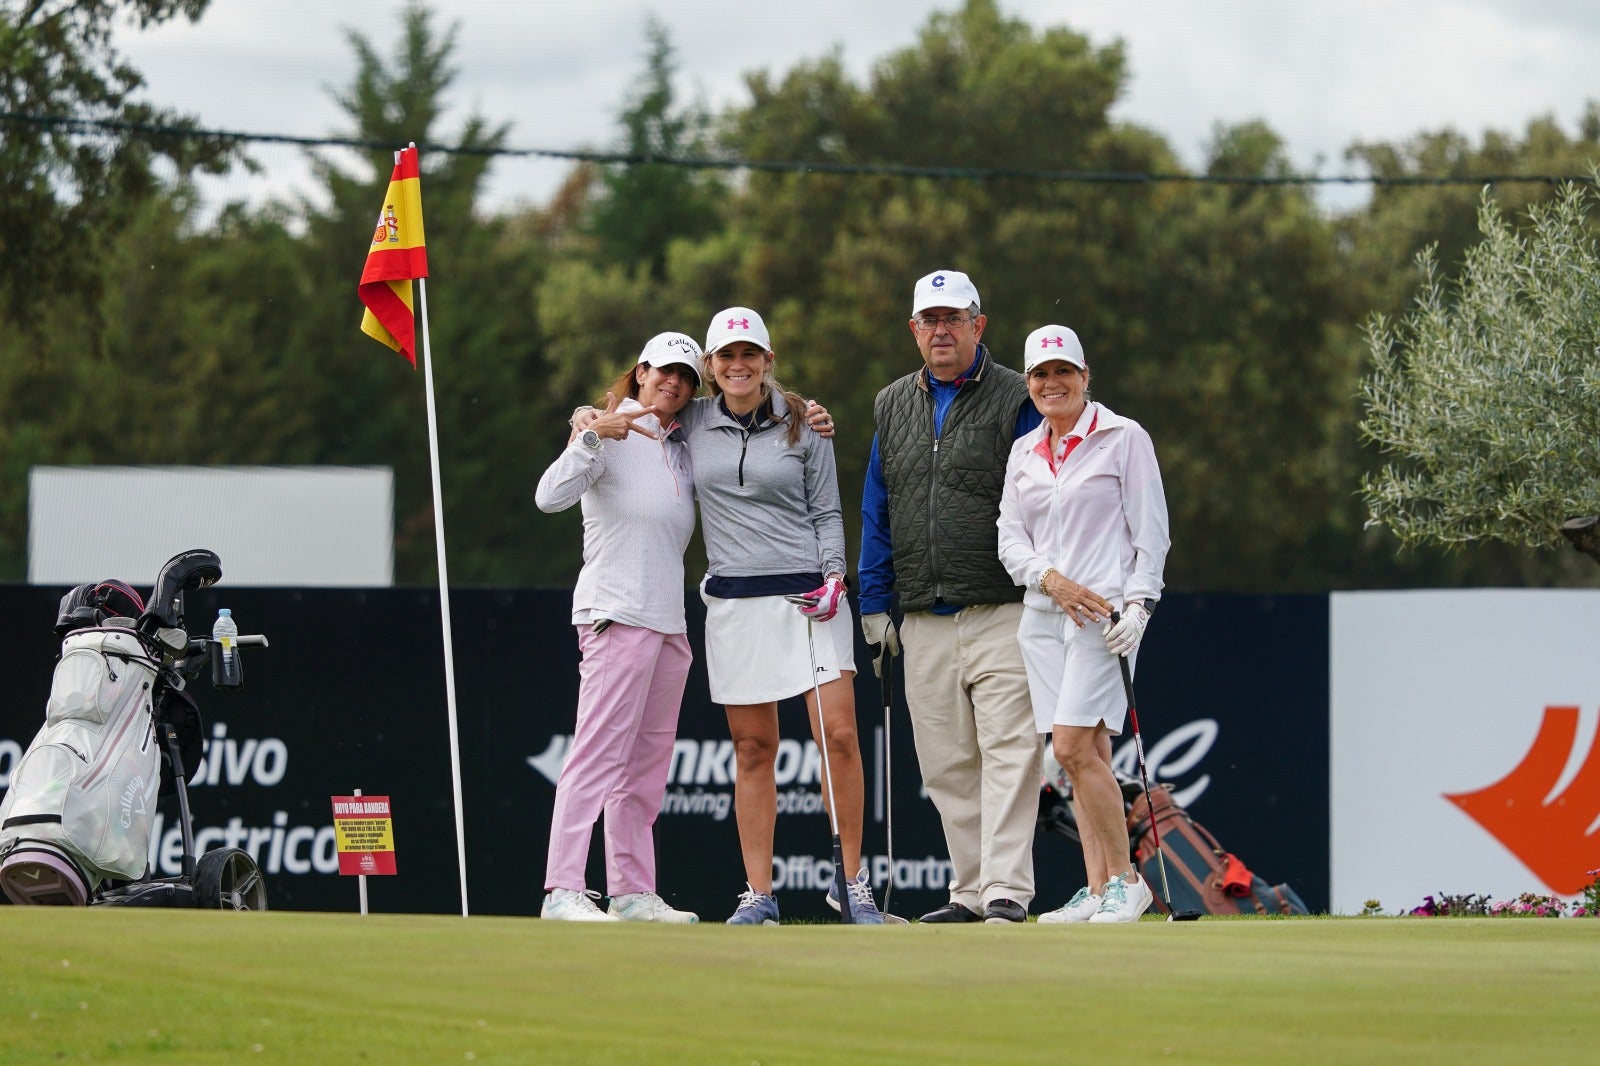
(944, 494)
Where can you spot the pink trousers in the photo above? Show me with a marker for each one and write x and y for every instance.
(630, 687)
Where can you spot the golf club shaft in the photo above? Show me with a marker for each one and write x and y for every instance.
(888, 774)
(839, 876)
(1144, 776)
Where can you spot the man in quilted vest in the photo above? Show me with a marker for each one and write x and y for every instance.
(929, 541)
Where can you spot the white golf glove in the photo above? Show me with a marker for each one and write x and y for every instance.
(1124, 636)
(881, 634)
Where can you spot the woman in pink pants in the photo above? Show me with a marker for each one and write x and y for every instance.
(629, 470)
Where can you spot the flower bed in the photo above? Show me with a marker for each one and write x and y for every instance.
(1527, 905)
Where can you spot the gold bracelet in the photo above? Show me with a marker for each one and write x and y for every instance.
(1047, 572)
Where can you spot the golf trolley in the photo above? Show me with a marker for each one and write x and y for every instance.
(120, 729)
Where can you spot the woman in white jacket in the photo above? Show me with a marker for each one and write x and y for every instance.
(1083, 527)
(630, 470)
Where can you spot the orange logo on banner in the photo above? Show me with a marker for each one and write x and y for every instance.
(1553, 838)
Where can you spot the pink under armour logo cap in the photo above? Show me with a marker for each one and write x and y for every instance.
(736, 324)
(1050, 343)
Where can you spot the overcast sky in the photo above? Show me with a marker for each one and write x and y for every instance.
(1322, 73)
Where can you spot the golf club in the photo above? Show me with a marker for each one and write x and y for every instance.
(888, 785)
(839, 878)
(888, 771)
(1144, 776)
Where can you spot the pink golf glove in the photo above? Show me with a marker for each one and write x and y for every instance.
(827, 597)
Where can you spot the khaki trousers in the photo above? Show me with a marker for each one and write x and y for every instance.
(977, 745)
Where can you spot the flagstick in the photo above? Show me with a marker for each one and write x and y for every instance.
(444, 591)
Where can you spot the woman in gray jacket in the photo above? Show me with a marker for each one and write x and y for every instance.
(770, 514)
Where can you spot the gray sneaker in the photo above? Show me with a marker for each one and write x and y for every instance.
(863, 908)
(755, 908)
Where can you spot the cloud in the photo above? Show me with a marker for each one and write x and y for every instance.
(1321, 73)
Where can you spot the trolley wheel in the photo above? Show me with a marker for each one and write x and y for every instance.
(228, 879)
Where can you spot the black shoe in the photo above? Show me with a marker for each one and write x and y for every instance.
(952, 912)
(1004, 910)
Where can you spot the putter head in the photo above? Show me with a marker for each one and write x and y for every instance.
(1183, 916)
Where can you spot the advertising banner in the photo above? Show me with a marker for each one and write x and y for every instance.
(1462, 735)
(350, 695)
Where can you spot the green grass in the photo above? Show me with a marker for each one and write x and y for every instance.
(130, 986)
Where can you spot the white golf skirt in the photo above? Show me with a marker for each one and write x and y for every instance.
(1073, 679)
(757, 651)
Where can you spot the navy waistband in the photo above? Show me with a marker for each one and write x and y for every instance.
(748, 588)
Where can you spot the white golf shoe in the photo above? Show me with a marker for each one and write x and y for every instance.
(648, 907)
(573, 905)
(1080, 908)
(1123, 901)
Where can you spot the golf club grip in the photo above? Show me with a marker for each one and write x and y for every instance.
(886, 681)
(1127, 683)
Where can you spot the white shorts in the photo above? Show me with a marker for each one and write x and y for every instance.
(757, 652)
(1073, 679)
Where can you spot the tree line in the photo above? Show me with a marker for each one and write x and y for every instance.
(1228, 318)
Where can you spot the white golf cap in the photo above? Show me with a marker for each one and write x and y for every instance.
(736, 324)
(672, 349)
(944, 288)
(1048, 343)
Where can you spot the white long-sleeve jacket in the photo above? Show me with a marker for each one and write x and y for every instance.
(638, 515)
(1100, 519)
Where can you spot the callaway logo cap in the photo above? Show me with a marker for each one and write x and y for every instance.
(1052, 342)
(672, 349)
(737, 324)
(944, 288)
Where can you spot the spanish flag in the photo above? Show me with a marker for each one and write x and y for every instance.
(398, 254)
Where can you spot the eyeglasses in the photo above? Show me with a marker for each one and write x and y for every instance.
(954, 320)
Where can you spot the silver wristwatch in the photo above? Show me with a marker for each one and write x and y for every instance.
(589, 439)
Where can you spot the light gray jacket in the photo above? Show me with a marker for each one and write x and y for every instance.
(766, 506)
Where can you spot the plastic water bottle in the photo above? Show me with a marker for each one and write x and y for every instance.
(225, 666)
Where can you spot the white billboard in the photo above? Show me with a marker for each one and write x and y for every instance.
(1462, 728)
(296, 526)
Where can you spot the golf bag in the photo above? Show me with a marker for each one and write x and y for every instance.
(76, 822)
(1200, 874)
(87, 785)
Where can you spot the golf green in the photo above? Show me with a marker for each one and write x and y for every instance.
(131, 986)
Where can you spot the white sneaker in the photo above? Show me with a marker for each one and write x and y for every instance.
(1080, 908)
(648, 907)
(573, 905)
(1123, 902)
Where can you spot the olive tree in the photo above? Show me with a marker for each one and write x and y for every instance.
(1485, 395)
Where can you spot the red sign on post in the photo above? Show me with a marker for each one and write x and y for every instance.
(364, 834)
